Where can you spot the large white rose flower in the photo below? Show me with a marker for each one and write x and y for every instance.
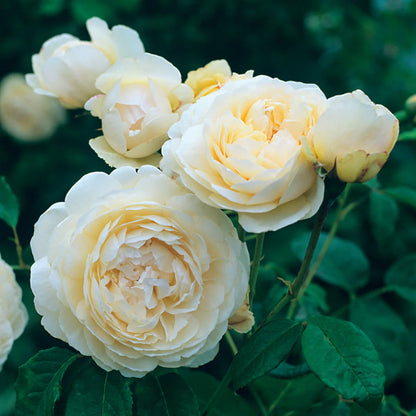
(136, 272)
(67, 67)
(240, 148)
(13, 314)
(139, 103)
(26, 115)
(354, 136)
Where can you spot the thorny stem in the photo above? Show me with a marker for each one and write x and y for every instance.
(341, 214)
(254, 271)
(303, 278)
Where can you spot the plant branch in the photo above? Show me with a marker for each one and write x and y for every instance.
(254, 271)
(22, 264)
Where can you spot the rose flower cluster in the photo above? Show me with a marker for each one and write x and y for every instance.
(139, 269)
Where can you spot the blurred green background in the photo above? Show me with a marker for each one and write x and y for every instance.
(339, 45)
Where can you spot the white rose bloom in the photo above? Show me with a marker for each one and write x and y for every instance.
(138, 106)
(25, 115)
(67, 67)
(354, 136)
(240, 148)
(136, 272)
(13, 314)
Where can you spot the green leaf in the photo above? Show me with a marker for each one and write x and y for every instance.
(384, 213)
(332, 407)
(295, 395)
(97, 392)
(344, 265)
(39, 380)
(403, 194)
(265, 350)
(387, 334)
(204, 386)
(9, 206)
(401, 277)
(343, 357)
(167, 395)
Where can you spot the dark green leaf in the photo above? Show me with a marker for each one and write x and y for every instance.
(332, 407)
(97, 392)
(265, 350)
(9, 206)
(401, 277)
(38, 384)
(387, 334)
(384, 213)
(167, 395)
(403, 194)
(343, 357)
(344, 265)
(295, 395)
(228, 403)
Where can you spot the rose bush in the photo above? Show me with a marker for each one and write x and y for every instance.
(140, 102)
(13, 314)
(67, 67)
(240, 148)
(136, 272)
(26, 115)
(354, 136)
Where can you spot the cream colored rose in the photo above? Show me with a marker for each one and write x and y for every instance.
(137, 108)
(136, 272)
(212, 77)
(67, 67)
(240, 148)
(13, 314)
(354, 136)
(25, 115)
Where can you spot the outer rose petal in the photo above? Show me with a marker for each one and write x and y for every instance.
(240, 148)
(135, 271)
(13, 314)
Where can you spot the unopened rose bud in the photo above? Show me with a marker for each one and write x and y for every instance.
(67, 67)
(212, 77)
(26, 115)
(354, 136)
(410, 105)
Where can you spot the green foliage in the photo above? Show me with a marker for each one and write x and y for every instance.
(343, 357)
(345, 265)
(9, 206)
(384, 213)
(97, 392)
(167, 395)
(401, 277)
(265, 350)
(389, 335)
(39, 382)
(204, 385)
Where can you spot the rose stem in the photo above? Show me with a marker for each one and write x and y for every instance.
(258, 251)
(300, 283)
(22, 264)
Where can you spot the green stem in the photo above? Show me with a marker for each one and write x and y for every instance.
(241, 233)
(217, 393)
(22, 264)
(258, 251)
(279, 397)
(341, 214)
(403, 411)
(226, 380)
(231, 343)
